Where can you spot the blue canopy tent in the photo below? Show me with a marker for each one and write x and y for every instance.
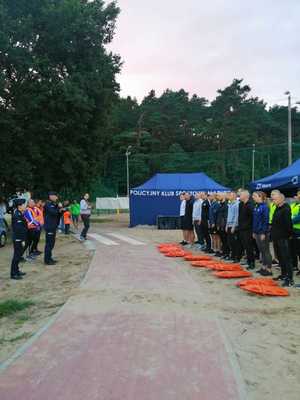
(160, 195)
(287, 180)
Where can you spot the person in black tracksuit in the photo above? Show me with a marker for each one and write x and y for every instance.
(221, 220)
(205, 223)
(52, 214)
(281, 233)
(19, 236)
(246, 226)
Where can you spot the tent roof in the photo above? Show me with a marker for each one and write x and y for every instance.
(287, 178)
(184, 181)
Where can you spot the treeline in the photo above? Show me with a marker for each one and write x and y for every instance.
(64, 127)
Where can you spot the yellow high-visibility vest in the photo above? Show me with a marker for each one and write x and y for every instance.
(272, 208)
(295, 210)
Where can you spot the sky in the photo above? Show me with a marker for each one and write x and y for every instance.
(201, 46)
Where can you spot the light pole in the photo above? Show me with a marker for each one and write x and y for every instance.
(127, 154)
(253, 162)
(289, 128)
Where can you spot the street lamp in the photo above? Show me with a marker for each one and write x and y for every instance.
(289, 128)
(290, 154)
(127, 154)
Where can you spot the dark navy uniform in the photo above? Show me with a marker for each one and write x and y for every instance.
(52, 215)
(19, 236)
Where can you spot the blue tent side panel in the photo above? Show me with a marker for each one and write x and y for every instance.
(287, 178)
(160, 195)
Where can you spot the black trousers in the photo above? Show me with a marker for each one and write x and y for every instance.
(284, 257)
(67, 229)
(49, 245)
(18, 252)
(234, 244)
(86, 225)
(224, 241)
(35, 240)
(206, 235)
(246, 240)
(295, 250)
(29, 241)
(199, 233)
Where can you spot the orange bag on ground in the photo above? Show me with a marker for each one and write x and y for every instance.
(265, 290)
(178, 253)
(232, 274)
(202, 264)
(198, 258)
(224, 267)
(254, 281)
(167, 249)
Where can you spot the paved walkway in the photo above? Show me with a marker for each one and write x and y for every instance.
(124, 335)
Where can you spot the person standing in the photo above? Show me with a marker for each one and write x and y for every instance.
(245, 223)
(197, 215)
(19, 236)
(205, 223)
(213, 212)
(295, 241)
(39, 216)
(232, 227)
(75, 212)
(182, 213)
(221, 221)
(261, 232)
(85, 214)
(33, 228)
(282, 232)
(52, 216)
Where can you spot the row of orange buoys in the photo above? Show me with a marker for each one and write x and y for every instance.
(223, 270)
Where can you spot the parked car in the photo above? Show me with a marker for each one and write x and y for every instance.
(3, 233)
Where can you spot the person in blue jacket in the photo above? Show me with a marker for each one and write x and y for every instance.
(52, 214)
(19, 236)
(261, 232)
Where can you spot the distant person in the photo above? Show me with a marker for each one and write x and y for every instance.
(221, 221)
(188, 219)
(67, 217)
(39, 215)
(213, 230)
(245, 224)
(75, 212)
(182, 213)
(197, 215)
(19, 237)
(232, 227)
(52, 211)
(295, 241)
(205, 222)
(3, 211)
(33, 228)
(261, 232)
(282, 232)
(85, 214)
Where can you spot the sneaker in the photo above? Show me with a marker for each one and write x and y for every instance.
(82, 239)
(244, 262)
(275, 262)
(288, 283)
(266, 272)
(218, 254)
(259, 271)
(298, 273)
(51, 262)
(21, 273)
(37, 253)
(251, 266)
(183, 242)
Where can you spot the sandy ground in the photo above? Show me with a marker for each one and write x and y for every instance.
(48, 287)
(264, 332)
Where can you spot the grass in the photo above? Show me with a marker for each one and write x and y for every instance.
(25, 335)
(10, 307)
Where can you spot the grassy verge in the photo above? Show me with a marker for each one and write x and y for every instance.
(9, 307)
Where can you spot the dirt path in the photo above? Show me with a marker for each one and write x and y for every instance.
(47, 287)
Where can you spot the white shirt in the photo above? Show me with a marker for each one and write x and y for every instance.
(85, 208)
(197, 210)
(182, 208)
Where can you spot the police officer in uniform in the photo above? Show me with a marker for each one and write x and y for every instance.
(52, 214)
(19, 236)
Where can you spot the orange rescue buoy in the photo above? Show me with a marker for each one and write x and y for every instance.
(232, 274)
(265, 290)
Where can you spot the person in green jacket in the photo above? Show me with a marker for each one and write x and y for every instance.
(75, 212)
(295, 241)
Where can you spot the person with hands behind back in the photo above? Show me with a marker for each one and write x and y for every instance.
(52, 214)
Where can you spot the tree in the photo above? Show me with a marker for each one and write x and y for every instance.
(57, 89)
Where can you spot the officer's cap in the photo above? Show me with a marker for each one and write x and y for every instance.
(19, 202)
(52, 194)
